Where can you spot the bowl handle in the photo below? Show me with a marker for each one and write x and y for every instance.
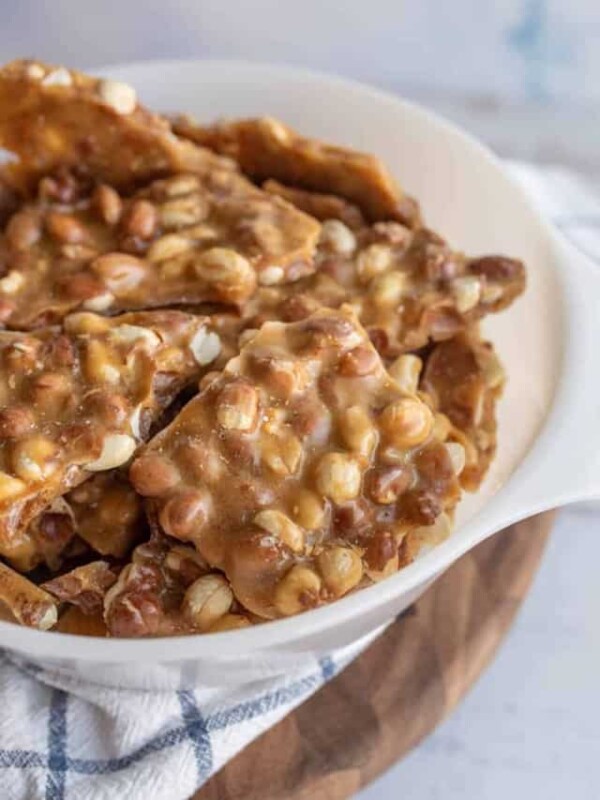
(563, 465)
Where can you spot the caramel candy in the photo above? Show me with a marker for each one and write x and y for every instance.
(408, 288)
(168, 589)
(107, 514)
(290, 470)
(83, 586)
(465, 379)
(56, 117)
(266, 148)
(78, 401)
(179, 240)
(27, 603)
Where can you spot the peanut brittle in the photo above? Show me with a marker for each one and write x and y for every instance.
(464, 378)
(312, 386)
(27, 603)
(84, 587)
(103, 515)
(50, 538)
(303, 469)
(56, 117)
(77, 401)
(321, 206)
(179, 240)
(407, 287)
(169, 589)
(107, 513)
(266, 148)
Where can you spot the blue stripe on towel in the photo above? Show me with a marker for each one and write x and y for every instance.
(57, 746)
(197, 731)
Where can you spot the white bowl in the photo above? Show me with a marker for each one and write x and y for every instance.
(549, 437)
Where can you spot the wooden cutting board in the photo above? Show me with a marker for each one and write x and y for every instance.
(396, 692)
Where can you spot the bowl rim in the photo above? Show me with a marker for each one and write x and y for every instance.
(229, 644)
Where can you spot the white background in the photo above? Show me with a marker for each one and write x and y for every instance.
(524, 75)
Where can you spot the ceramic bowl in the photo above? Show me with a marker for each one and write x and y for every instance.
(549, 419)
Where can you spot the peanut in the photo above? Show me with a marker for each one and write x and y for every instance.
(184, 514)
(35, 459)
(205, 346)
(227, 270)
(358, 362)
(341, 568)
(23, 230)
(372, 261)
(457, 456)
(120, 272)
(337, 237)
(407, 422)
(12, 282)
(387, 289)
(183, 211)
(297, 591)
(282, 453)
(230, 622)
(108, 204)
(66, 228)
(153, 475)
(10, 487)
(117, 449)
(140, 220)
(102, 364)
(280, 525)
(309, 510)
(181, 185)
(406, 371)
(167, 247)
(358, 431)
(467, 292)
(237, 407)
(120, 97)
(207, 600)
(338, 477)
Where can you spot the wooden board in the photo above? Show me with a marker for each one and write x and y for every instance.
(396, 692)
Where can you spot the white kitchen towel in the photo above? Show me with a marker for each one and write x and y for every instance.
(66, 740)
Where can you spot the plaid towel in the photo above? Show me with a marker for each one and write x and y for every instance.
(67, 740)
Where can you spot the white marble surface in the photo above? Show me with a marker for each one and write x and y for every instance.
(530, 728)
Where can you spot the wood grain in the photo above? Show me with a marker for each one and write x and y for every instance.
(394, 694)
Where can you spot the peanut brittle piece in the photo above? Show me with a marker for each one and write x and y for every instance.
(76, 401)
(50, 538)
(103, 514)
(318, 205)
(180, 240)
(56, 117)
(302, 469)
(407, 287)
(465, 379)
(169, 589)
(84, 587)
(27, 603)
(266, 148)
(107, 513)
